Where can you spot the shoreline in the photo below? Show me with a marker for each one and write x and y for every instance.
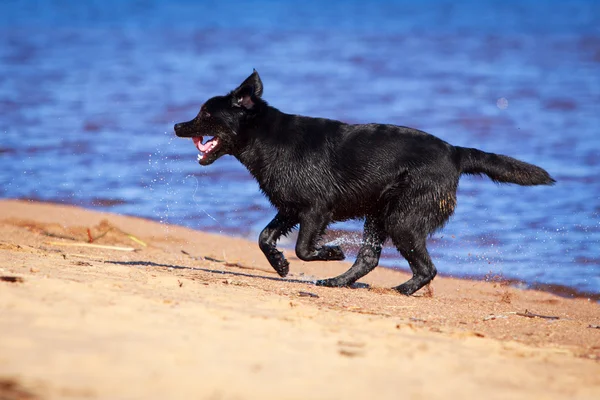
(163, 311)
(565, 291)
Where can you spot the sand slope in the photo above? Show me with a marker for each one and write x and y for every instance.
(163, 321)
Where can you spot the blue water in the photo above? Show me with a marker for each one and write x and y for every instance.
(89, 92)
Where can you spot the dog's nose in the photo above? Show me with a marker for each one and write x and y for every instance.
(184, 129)
(179, 128)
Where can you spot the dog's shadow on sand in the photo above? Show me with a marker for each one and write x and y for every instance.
(222, 272)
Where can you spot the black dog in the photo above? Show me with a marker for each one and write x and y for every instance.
(316, 171)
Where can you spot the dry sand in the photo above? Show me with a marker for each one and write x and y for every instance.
(201, 316)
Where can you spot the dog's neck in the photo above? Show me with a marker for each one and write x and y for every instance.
(252, 133)
(257, 155)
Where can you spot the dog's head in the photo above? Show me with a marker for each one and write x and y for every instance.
(221, 119)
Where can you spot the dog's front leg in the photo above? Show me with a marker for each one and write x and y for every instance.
(279, 226)
(312, 225)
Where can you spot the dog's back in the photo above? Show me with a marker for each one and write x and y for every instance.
(357, 169)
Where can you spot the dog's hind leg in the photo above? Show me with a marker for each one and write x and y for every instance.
(279, 226)
(367, 259)
(312, 226)
(413, 248)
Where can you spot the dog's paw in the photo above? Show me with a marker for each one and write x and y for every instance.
(331, 282)
(280, 264)
(406, 289)
(282, 269)
(332, 253)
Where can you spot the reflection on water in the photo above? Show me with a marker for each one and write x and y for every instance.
(89, 94)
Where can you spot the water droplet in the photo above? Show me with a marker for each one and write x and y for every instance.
(502, 103)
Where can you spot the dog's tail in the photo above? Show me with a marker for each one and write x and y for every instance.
(501, 169)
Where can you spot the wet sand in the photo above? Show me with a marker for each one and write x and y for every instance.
(186, 314)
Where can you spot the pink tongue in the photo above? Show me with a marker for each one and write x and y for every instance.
(198, 143)
(203, 147)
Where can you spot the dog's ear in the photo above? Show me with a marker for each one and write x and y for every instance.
(245, 94)
(254, 81)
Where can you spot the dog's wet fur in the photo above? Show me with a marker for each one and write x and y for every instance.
(315, 171)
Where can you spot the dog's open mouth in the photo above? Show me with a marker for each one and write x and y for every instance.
(206, 149)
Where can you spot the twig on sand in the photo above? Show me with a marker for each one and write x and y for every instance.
(492, 316)
(206, 258)
(532, 315)
(188, 254)
(92, 257)
(97, 246)
(308, 294)
(138, 241)
(56, 235)
(594, 326)
(12, 279)
(224, 262)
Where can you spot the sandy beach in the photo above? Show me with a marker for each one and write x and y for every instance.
(166, 312)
